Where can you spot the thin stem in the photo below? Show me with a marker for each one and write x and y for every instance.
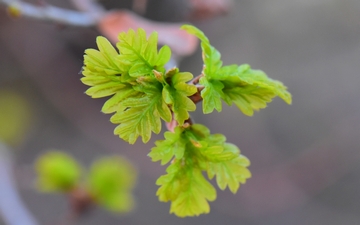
(196, 98)
(196, 79)
(91, 7)
(188, 122)
(80, 203)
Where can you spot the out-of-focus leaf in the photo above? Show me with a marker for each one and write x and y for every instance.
(110, 182)
(57, 171)
(15, 117)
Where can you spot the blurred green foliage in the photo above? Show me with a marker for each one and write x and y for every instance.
(57, 171)
(108, 183)
(15, 117)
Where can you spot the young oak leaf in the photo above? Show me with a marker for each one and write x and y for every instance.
(103, 61)
(260, 79)
(113, 104)
(212, 64)
(219, 158)
(249, 89)
(141, 115)
(230, 173)
(102, 70)
(218, 152)
(141, 53)
(194, 150)
(211, 95)
(176, 95)
(193, 201)
(173, 145)
(248, 98)
(187, 189)
(211, 56)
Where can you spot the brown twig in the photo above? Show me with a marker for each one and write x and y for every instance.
(196, 79)
(80, 203)
(196, 98)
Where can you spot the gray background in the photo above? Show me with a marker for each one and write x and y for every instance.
(305, 157)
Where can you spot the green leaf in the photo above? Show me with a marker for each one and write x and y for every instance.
(248, 98)
(195, 31)
(259, 78)
(173, 145)
(107, 50)
(249, 89)
(230, 173)
(57, 171)
(102, 67)
(170, 183)
(176, 95)
(163, 56)
(142, 115)
(114, 103)
(104, 72)
(95, 80)
(193, 150)
(110, 182)
(102, 62)
(105, 89)
(211, 95)
(211, 56)
(193, 200)
(188, 190)
(141, 53)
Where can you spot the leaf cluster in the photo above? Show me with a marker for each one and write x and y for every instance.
(192, 151)
(143, 93)
(108, 183)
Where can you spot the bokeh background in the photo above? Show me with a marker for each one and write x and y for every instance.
(305, 157)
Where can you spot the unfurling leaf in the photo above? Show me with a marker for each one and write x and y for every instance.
(173, 145)
(176, 95)
(193, 150)
(141, 53)
(187, 189)
(249, 89)
(142, 115)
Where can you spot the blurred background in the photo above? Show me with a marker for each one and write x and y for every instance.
(305, 157)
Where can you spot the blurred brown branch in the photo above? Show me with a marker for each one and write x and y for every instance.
(55, 14)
